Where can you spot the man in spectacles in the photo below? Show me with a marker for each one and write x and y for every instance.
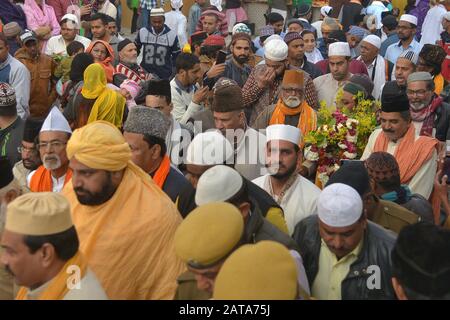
(28, 151)
(430, 115)
(54, 172)
(406, 29)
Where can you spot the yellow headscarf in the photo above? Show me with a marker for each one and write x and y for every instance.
(109, 104)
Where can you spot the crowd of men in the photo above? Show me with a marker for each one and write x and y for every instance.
(170, 164)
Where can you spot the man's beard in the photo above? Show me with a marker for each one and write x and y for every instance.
(51, 162)
(30, 164)
(94, 199)
(241, 59)
(292, 102)
(339, 76)
(129, 61)
(274, 171)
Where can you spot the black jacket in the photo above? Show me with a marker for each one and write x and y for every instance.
(442, 122)
(255, 193)
(376, 250)
(311, 69)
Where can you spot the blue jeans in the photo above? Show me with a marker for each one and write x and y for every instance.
(145, 17)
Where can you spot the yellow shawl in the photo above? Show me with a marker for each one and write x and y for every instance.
(127, 240)
(109, 104)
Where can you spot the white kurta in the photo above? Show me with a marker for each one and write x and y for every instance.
(177, 22)
(423, 180)
(299, 202)
(327, 88)
(57, 183)
(379, 78)
(431, 27)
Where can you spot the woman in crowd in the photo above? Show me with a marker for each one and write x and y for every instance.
(103, 54)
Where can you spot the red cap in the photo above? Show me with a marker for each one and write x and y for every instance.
(214, 40)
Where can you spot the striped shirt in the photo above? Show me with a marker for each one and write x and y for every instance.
(138, 75)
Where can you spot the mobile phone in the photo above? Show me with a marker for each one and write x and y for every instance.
(221, 57)
(211, 83)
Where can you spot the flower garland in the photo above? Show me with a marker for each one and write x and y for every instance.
(341, 134)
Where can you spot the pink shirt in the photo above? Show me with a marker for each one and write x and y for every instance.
(36, 17)
(60, 7)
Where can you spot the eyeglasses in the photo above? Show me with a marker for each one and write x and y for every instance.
(53, 145)
(23, 149)
(416, 92)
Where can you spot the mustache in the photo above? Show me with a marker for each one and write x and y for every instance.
(80, 189)
(388, 131)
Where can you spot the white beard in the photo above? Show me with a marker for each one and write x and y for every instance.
(52, 164)
(292, 102)
(417, 106)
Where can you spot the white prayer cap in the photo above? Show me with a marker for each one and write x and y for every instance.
(325, 11)
(339, 49)
(409, 55)
(373, 40)
(447, 16)
(55, 121)
(73, 18)
(157, 12)
(218, 184)
(339, 205)
(176, 4)
(272, 37)
(283, 132)
(276, 50)
(217, 4)
(409, 18)
(209, 148)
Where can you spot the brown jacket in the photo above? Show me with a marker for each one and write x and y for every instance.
(43, 88)
(392, 216)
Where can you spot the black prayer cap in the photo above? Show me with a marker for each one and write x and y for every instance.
(394, 98)
(31, 129)
(122, 44)
(6, 174)
(159, 88)
(353, 174)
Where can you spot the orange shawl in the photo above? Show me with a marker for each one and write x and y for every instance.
(42, 180)
(58, 286)
(410, 154)
(162, 172)
(306, 122)
(106, 64)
